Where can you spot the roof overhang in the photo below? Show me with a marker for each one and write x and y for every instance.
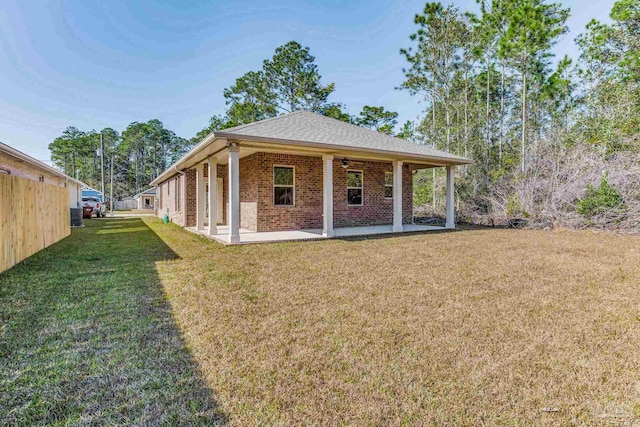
(217, 142)
(37, 164)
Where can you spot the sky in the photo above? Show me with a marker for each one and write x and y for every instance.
(97, 64)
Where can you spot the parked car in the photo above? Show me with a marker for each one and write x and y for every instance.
(94, 199)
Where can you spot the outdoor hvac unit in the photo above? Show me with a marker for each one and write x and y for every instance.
(76, 217)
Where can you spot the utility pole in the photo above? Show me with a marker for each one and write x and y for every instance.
(102, 163)
(111, 189)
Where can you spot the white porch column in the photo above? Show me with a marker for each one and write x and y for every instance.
(212, 163)
(397, 196)
(327, 195)
(451, 222)
(234, 194)
(200, 196)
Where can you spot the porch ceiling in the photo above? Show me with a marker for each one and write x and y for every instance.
(312, 134)
(216, 145)
(217, 148)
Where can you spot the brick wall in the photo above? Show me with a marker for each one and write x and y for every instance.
(249, 191)
(168, 192)
(375, 209)
(258, 212)
(256, 185)
(307, 209)
(190, 179)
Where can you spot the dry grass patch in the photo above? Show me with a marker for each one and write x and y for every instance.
(495, 327)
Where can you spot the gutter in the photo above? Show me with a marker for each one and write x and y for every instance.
(182, 160)
(194, 150)
(37, 163)
(455, 161)
(451, 160)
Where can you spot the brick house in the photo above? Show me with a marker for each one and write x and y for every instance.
(298, 176)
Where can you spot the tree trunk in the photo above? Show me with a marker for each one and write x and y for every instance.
(501, 113)
(487, 124)
(466, 115)
(433, 135)
(446, 109)
(524, 120)
(448, 120)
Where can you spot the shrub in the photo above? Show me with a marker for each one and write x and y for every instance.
(600, 199)
(514, 206)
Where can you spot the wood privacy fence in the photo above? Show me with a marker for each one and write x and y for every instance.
(125, 205)
(33, 215)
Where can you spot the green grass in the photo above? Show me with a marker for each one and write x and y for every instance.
(87, 338)
(134, 321)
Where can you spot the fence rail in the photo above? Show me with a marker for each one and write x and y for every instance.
(33, 215)
(125, 205)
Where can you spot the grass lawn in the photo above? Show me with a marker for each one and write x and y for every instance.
(86, 335)
(133, 212)
(133, 321)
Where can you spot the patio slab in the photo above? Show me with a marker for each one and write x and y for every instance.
(247, 236)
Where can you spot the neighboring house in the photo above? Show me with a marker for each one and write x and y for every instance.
(34, 205)
(301, 175)
(146, 199)
(17, 163)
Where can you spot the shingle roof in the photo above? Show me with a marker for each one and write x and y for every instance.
(36, 163)
(311, 127)
(332, 135)
(150, 191)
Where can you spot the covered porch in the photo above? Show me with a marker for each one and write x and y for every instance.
(300, 176)
(233, 229)
(247, 236)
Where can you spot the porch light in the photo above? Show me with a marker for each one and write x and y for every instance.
(345, 163)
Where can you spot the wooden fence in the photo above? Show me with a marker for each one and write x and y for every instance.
(125, 205)
(33, 215)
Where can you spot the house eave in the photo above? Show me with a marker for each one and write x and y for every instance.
(400, 155)
(321, 147)
(37, 164)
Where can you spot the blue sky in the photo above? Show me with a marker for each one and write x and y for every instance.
(95, 64)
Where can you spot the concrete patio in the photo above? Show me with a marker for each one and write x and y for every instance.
(247, 236)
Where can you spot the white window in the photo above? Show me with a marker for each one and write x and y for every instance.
(354, 188)
(388, 185)
(284, 190)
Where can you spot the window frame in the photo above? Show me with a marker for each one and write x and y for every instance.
(388, 185)
(292, 186)
(361, 188)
